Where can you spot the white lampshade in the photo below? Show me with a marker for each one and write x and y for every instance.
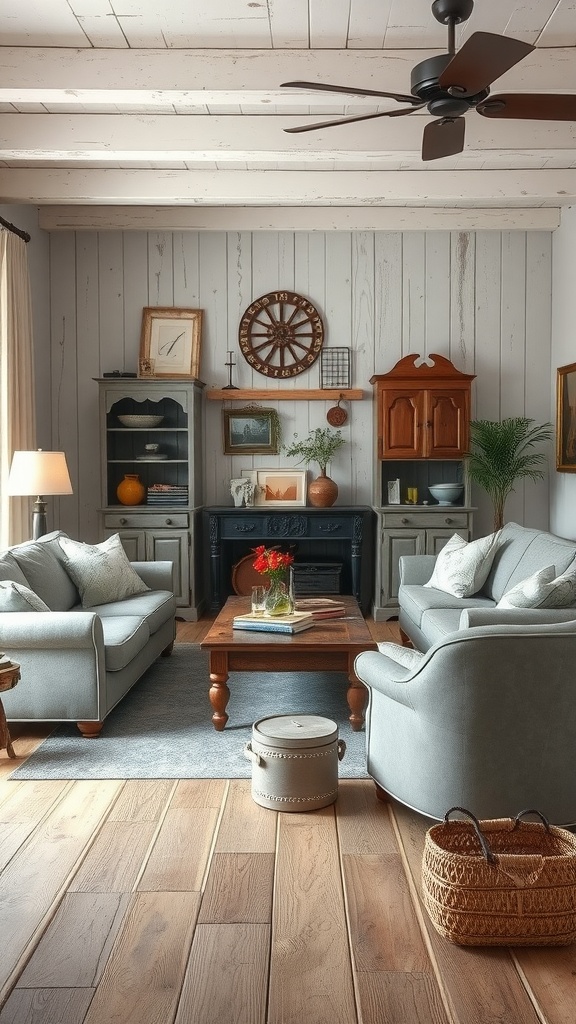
(39, 473)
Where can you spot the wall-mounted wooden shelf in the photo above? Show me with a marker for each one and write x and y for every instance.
(285, 394)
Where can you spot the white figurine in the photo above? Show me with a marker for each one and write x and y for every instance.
(237, 490)
(249, 490)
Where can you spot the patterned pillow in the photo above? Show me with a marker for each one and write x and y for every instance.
(403, 655)
(462, 567)
(15, 597)
(542, 590)
(101, 572)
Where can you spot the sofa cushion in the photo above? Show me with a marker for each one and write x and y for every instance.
(438, 623)
(416, 599)
(542, 590)
(15, 597)
(157, 606)
(124, 637)
(45, 575)
(462, 566)
(521, 553)
(10, 570)
(403, 655)
(101, 572)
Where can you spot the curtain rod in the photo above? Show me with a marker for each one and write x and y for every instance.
(14, 229)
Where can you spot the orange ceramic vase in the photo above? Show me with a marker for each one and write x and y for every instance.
(131, 490)
(323, 491)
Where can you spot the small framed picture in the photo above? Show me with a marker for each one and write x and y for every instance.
(280, 487)
(250, 431)
(394, 492)
(170, 342)
(566, 419)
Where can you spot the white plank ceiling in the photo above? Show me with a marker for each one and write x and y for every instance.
(178, 103)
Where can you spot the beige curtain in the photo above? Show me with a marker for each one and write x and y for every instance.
(17, 413)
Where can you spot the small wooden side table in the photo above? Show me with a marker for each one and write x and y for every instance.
(8, 678)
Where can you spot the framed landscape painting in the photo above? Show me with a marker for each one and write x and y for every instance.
(250, 432)
(280, 487)
(566, 418)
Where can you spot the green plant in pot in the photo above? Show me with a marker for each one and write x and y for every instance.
(320, 446)
(502, 452)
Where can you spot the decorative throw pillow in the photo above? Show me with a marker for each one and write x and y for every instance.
(462, 567)
(403, 655)
(15, 597)
(101, 572)
(542, 590)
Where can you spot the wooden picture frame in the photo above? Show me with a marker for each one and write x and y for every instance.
(170, 342)
(276, 487)
(566, 418)
(250, 431)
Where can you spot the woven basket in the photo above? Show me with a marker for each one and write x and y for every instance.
(501, 882)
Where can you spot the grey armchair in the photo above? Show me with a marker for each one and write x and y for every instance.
(485, 719)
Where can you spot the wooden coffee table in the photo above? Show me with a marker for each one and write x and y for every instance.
(330, 646)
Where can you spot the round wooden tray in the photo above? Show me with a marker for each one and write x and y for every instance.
(244, 576)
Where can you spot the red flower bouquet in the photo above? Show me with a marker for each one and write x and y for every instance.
(271, 562)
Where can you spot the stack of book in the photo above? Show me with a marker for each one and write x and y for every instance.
(294, 623)
(167, 494)
(321, 607)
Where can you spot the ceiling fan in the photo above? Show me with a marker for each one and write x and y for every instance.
(453, 83)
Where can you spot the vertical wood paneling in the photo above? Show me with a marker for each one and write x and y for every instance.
(438, 307)
(88, 348)
(64, 372)
(482, 298)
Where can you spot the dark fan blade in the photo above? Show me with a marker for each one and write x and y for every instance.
(348, 120)
(480, 61)
(443, 138)
(352, 92)
(530, 105)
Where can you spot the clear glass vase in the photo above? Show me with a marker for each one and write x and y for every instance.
(278, 600)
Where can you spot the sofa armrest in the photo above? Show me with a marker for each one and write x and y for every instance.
(416, 569)
(156, 575)
(472, 617)
(50, 631)
(381, 673)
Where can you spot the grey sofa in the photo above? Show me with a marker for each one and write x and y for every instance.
(485, 719)
(482, 713)
(78, 662)
(427, 615)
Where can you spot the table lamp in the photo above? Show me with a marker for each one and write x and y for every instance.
(39, 473)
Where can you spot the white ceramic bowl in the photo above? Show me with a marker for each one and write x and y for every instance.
(446, 494)
(140, 421)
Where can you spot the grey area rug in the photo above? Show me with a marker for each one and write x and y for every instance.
(162, 729)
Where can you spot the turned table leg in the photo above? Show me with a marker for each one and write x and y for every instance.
(5, 741)
(219, 692)
(357, 697)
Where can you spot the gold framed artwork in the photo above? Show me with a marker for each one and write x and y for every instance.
(170, 342)
(566, 418)
(250, 431)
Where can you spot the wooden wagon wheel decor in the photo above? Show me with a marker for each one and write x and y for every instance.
(281, 334)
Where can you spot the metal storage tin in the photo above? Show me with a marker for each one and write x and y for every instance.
(295, 762)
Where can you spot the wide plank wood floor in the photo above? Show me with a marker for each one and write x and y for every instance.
(184, 902)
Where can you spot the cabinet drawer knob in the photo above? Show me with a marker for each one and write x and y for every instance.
(448, 520)
(123, 521)
(405, 520)
(168, 522)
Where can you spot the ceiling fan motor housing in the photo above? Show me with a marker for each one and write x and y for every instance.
(424, 84)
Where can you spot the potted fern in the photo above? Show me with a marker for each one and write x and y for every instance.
(320, 446)
(502, 452)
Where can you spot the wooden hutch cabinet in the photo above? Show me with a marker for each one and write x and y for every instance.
(422, 422)
(166, 525)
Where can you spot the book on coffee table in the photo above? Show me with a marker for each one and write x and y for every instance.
(321, 607)
(279, 624)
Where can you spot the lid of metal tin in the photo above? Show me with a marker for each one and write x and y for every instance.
(295, 730)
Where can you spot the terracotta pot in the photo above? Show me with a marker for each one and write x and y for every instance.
(131, 490)
(322, 492)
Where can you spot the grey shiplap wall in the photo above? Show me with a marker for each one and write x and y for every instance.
(481, 298)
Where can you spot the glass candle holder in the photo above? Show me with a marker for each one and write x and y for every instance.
(412, 495)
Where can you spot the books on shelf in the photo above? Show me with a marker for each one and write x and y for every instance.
(321, 607)
(279, 624)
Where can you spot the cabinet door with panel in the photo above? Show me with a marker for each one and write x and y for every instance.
(436, 539)
(172, 546)
(393, 544)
